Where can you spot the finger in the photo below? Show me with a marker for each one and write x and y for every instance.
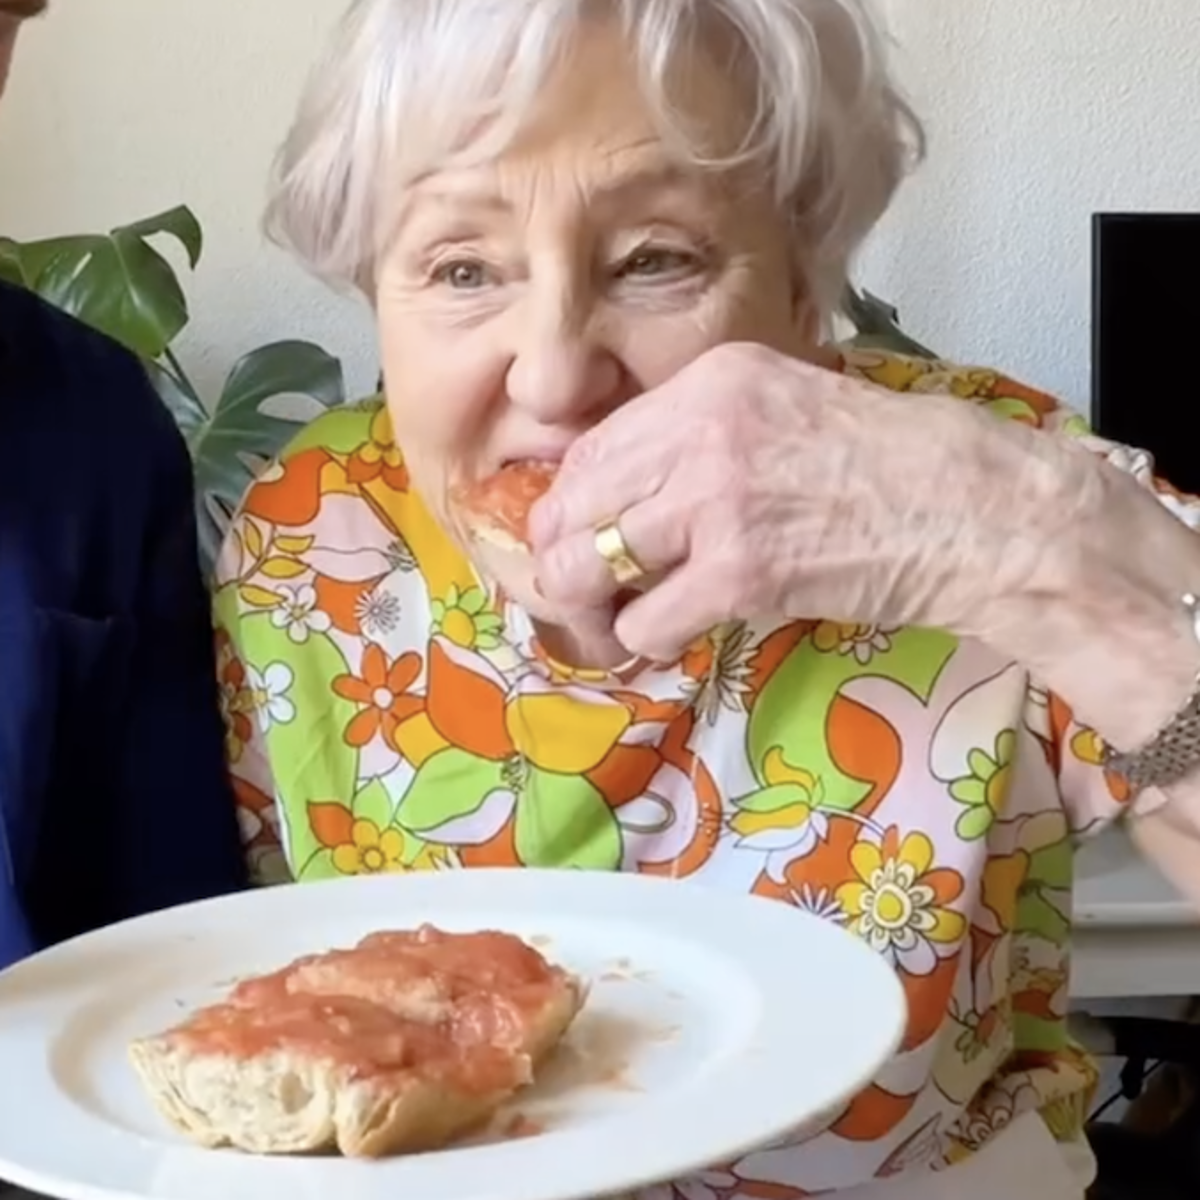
(624, 460)
(572, 572)
(587, 495)
(663, 622)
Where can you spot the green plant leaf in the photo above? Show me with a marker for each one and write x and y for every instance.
(116, 282)
(563, 821)
(180, 223)
(450, 785)
(184, 405)
(877, 325)
(226, 441)
(13, 268)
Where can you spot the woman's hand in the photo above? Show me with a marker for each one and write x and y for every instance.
(755, 484)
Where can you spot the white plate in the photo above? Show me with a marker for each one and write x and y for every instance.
(717, 1022)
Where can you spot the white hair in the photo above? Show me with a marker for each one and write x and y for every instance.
(407, 85)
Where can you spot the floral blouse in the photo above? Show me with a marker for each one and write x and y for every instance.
(386, 712)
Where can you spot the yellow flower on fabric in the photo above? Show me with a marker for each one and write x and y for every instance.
(862, 641)
(966, 385)
(379, 457)
(370, 850)
(465, 619)
(983, 791)
(895, 372)
(781, 818)
(565, 730)
(898, 902)
(1088, 747)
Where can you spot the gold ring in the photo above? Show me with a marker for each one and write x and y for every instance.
(612, 547)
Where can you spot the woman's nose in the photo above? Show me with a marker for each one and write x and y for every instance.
(562, 375)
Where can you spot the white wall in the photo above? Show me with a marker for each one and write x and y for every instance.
(121, 108)
(1039, 112)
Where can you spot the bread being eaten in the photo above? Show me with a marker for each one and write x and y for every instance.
(400, 1044)
(496, 510)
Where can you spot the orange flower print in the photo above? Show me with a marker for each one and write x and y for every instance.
(360, 846)
(563, 730)
(288, 492)
(863, 641)
(382, 689)
(378, 457)
(898, 902)
(234, 697)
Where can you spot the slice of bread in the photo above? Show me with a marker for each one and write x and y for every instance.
(400, 1044)
(496, 509)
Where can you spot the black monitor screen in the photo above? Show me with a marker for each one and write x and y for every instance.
(1145, 325)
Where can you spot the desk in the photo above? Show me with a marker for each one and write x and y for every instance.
(1133, 935)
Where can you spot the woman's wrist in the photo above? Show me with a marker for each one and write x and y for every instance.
(1103, 621)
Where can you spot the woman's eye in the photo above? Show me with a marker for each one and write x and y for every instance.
(652, 264)
(462, 275)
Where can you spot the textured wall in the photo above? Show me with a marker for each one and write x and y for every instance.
(120, 108)
(1040, 113)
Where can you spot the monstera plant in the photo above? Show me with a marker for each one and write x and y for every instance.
(122, 284)
(877, 327)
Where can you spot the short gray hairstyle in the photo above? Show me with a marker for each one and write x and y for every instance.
(406, 84)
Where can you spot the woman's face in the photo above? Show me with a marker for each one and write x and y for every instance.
(525, 299)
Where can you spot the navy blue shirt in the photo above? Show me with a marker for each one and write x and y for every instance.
(114, 798)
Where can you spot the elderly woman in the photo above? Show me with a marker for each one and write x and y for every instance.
(782, 630)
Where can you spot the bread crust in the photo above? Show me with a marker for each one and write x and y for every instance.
(410, 1050)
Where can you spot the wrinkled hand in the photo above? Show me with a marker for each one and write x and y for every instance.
(752, 484)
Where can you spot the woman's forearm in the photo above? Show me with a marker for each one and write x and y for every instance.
(1102, 621)
(1117, 643)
